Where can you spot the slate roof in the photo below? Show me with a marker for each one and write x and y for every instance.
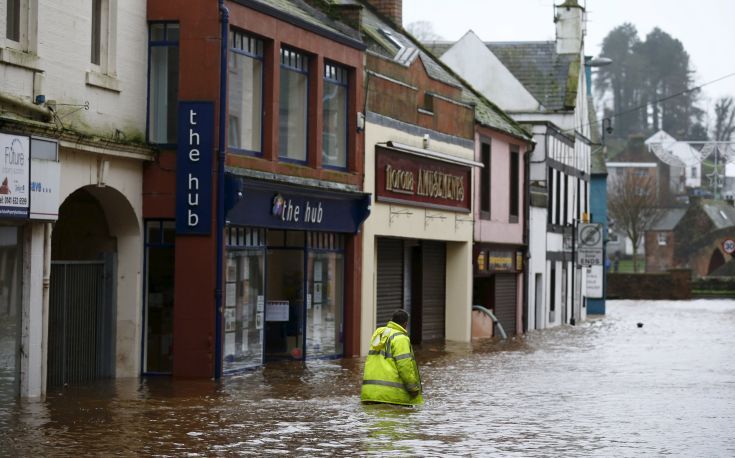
(380, 37)
(668, 220)
(304, 12)
(719, 212)
(550, 77)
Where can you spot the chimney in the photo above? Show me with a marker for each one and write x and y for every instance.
(570, 27)
(391, 9)
(351, 14)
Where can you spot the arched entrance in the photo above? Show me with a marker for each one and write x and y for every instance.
(89, 245)
(715, 261)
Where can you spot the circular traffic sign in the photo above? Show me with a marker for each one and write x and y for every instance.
(728, 245)
(590, 235)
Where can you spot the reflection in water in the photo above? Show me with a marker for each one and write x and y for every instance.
(603, 388)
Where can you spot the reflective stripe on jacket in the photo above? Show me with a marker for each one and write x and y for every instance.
(391, 373)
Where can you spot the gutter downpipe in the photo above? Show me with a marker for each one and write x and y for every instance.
(220, 224)
(530, 147)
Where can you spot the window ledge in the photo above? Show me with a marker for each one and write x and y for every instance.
(100, 80)
(426, 112)
(21, 59)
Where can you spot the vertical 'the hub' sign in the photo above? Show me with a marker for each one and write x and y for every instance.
(194, 168)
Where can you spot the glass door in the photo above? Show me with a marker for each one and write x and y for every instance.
(324, 304)
(244, 313)
(284, 331)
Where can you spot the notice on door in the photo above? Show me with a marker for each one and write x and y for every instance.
(276, 311)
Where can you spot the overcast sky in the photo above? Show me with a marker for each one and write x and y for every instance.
(705, 27)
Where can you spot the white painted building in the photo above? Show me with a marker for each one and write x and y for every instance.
(73, 92)
(543, 85)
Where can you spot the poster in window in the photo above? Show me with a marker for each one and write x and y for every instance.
(230, 294)
(260, 303)
(230, 321)
(317, 292)
(259, 321)
(276, 311)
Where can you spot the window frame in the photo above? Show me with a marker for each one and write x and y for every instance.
(27, 35)
(514, 194)
(662, 238)
(486, 179)
(306, 59)
(339, 69)
(261, 43)
(151, 44)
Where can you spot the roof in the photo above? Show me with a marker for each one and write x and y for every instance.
(668, 219)
(489, 115)
(307, 15)
(719, 212)
(384, 39)
(550, 77)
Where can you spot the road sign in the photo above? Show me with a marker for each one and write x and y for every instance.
(729, 246)
(589, 244)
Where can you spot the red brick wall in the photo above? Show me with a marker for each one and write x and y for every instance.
(659, 258)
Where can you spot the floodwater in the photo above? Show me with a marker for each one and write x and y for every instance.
(602, 388)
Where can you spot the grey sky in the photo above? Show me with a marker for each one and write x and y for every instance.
(705, 27)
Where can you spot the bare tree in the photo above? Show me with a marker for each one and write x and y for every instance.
(724, 119)
(423, 31)
(632, 203)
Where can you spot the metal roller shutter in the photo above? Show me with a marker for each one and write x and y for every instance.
(433, 265)
(390, 279)
(505, 301)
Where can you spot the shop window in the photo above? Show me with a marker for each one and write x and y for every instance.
(324, 304)
(485, 181)
(244, 311)
(159, 296)
(10, 307)
(334, 112)
(293, 106)
(245, 94)
(163, 82)
(515, 180)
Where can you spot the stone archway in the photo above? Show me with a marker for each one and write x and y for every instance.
(95, 292)
(716, 260)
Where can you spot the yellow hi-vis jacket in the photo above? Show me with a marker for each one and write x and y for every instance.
(391, 373)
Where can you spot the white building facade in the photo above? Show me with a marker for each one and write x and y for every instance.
(72, 125)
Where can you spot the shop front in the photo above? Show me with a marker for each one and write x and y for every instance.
(419, 240)
(498, 277)
(288, 277)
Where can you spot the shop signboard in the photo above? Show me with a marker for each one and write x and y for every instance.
(194, 168)
(282, 206)
(15, 167)
(421, 181)
(45, 180)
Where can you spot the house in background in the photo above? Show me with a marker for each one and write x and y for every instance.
(542, 85)
(660, 240)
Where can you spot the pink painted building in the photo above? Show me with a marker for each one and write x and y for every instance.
(500, 230)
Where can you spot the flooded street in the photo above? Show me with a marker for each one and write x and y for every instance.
(603, 388)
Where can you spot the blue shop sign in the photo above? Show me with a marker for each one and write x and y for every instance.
(279, 206)
(194, 168)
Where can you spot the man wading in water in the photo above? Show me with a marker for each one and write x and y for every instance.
(391, 374)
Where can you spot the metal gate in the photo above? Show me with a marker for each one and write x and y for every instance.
(505, 301)
(81, 322)
(390, 279)
(433, 294)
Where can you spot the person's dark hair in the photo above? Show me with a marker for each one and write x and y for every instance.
(400, 316)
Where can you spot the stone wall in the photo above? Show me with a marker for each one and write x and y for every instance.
(674, 284)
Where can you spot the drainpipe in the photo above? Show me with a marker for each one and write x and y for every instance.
(45, 298)
(224, 20)
(526, 229)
